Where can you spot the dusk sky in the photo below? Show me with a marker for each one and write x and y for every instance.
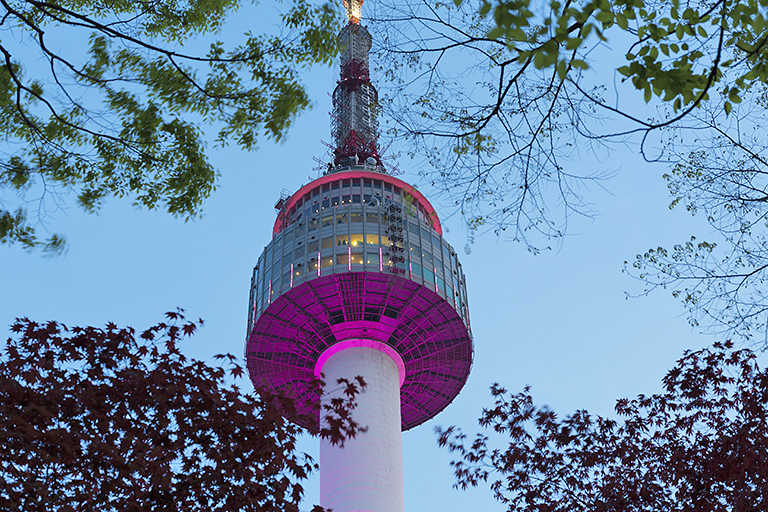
(558, 321)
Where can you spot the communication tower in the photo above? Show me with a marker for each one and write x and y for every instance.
(358, 281)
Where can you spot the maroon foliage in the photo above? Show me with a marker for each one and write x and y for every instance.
(700, 445)
(105, 420)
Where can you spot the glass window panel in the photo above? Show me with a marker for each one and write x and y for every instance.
(367, 182)
(299, 252)
(371, 239)
(312, 264)
(312, 246)
(372, 217)
(346, 199)
(326, 262)
(327, 220)
(342, 259)
(335, 185)
(334, 201)
(327, 243)
(355, 182)
(314, 224)
(342, 240)
(388, 187)
(429, 276)
(298, 269)
(356, 240)
(385, 241)
(345, 183)
(342, 218)
(357, 258)
(416, 271)
(356, 198)
(326, 188)
(372, 258)
(427, 260)
(356, 217)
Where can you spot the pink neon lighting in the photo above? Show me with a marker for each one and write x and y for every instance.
(410, 268)
(377, 345)
(381, 261)
(434, 273)
(318, 263)
(349, 258)
(291, 275)
(437, 360)
(337, 176)
(269, 296)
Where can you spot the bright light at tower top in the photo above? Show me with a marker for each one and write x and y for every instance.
(354, 8)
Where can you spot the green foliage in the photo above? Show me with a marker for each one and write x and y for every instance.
(124, 120)
(677, 54)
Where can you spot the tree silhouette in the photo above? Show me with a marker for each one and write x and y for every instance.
(700, 445)
(111, 420)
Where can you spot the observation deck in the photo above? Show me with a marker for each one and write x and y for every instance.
(359, 254)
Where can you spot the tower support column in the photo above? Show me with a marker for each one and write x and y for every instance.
(366, 474)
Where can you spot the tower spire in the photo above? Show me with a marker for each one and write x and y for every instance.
(355, 99)
(353, 7)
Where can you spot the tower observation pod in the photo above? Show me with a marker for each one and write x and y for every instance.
(358, 281)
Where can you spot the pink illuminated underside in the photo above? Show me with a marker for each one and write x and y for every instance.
(300, 329)
(377, 345)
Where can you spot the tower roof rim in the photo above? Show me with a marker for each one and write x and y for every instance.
(340, 175)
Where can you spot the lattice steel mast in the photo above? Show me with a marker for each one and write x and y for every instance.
(355, 99)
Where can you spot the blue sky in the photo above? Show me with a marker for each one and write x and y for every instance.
(558, 321)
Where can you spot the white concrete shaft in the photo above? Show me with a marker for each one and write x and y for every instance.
(366, 474)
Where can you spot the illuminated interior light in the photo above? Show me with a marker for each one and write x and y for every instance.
(349, 258)
(291, 275)
(318, 263)
(381, 261)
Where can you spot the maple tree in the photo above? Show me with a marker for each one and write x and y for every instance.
(107, 419)
(699, 445)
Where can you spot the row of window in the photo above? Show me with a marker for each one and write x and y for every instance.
(371, 243)
(419, 266)
(452, 290)
(361, 191)
(355, 228)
